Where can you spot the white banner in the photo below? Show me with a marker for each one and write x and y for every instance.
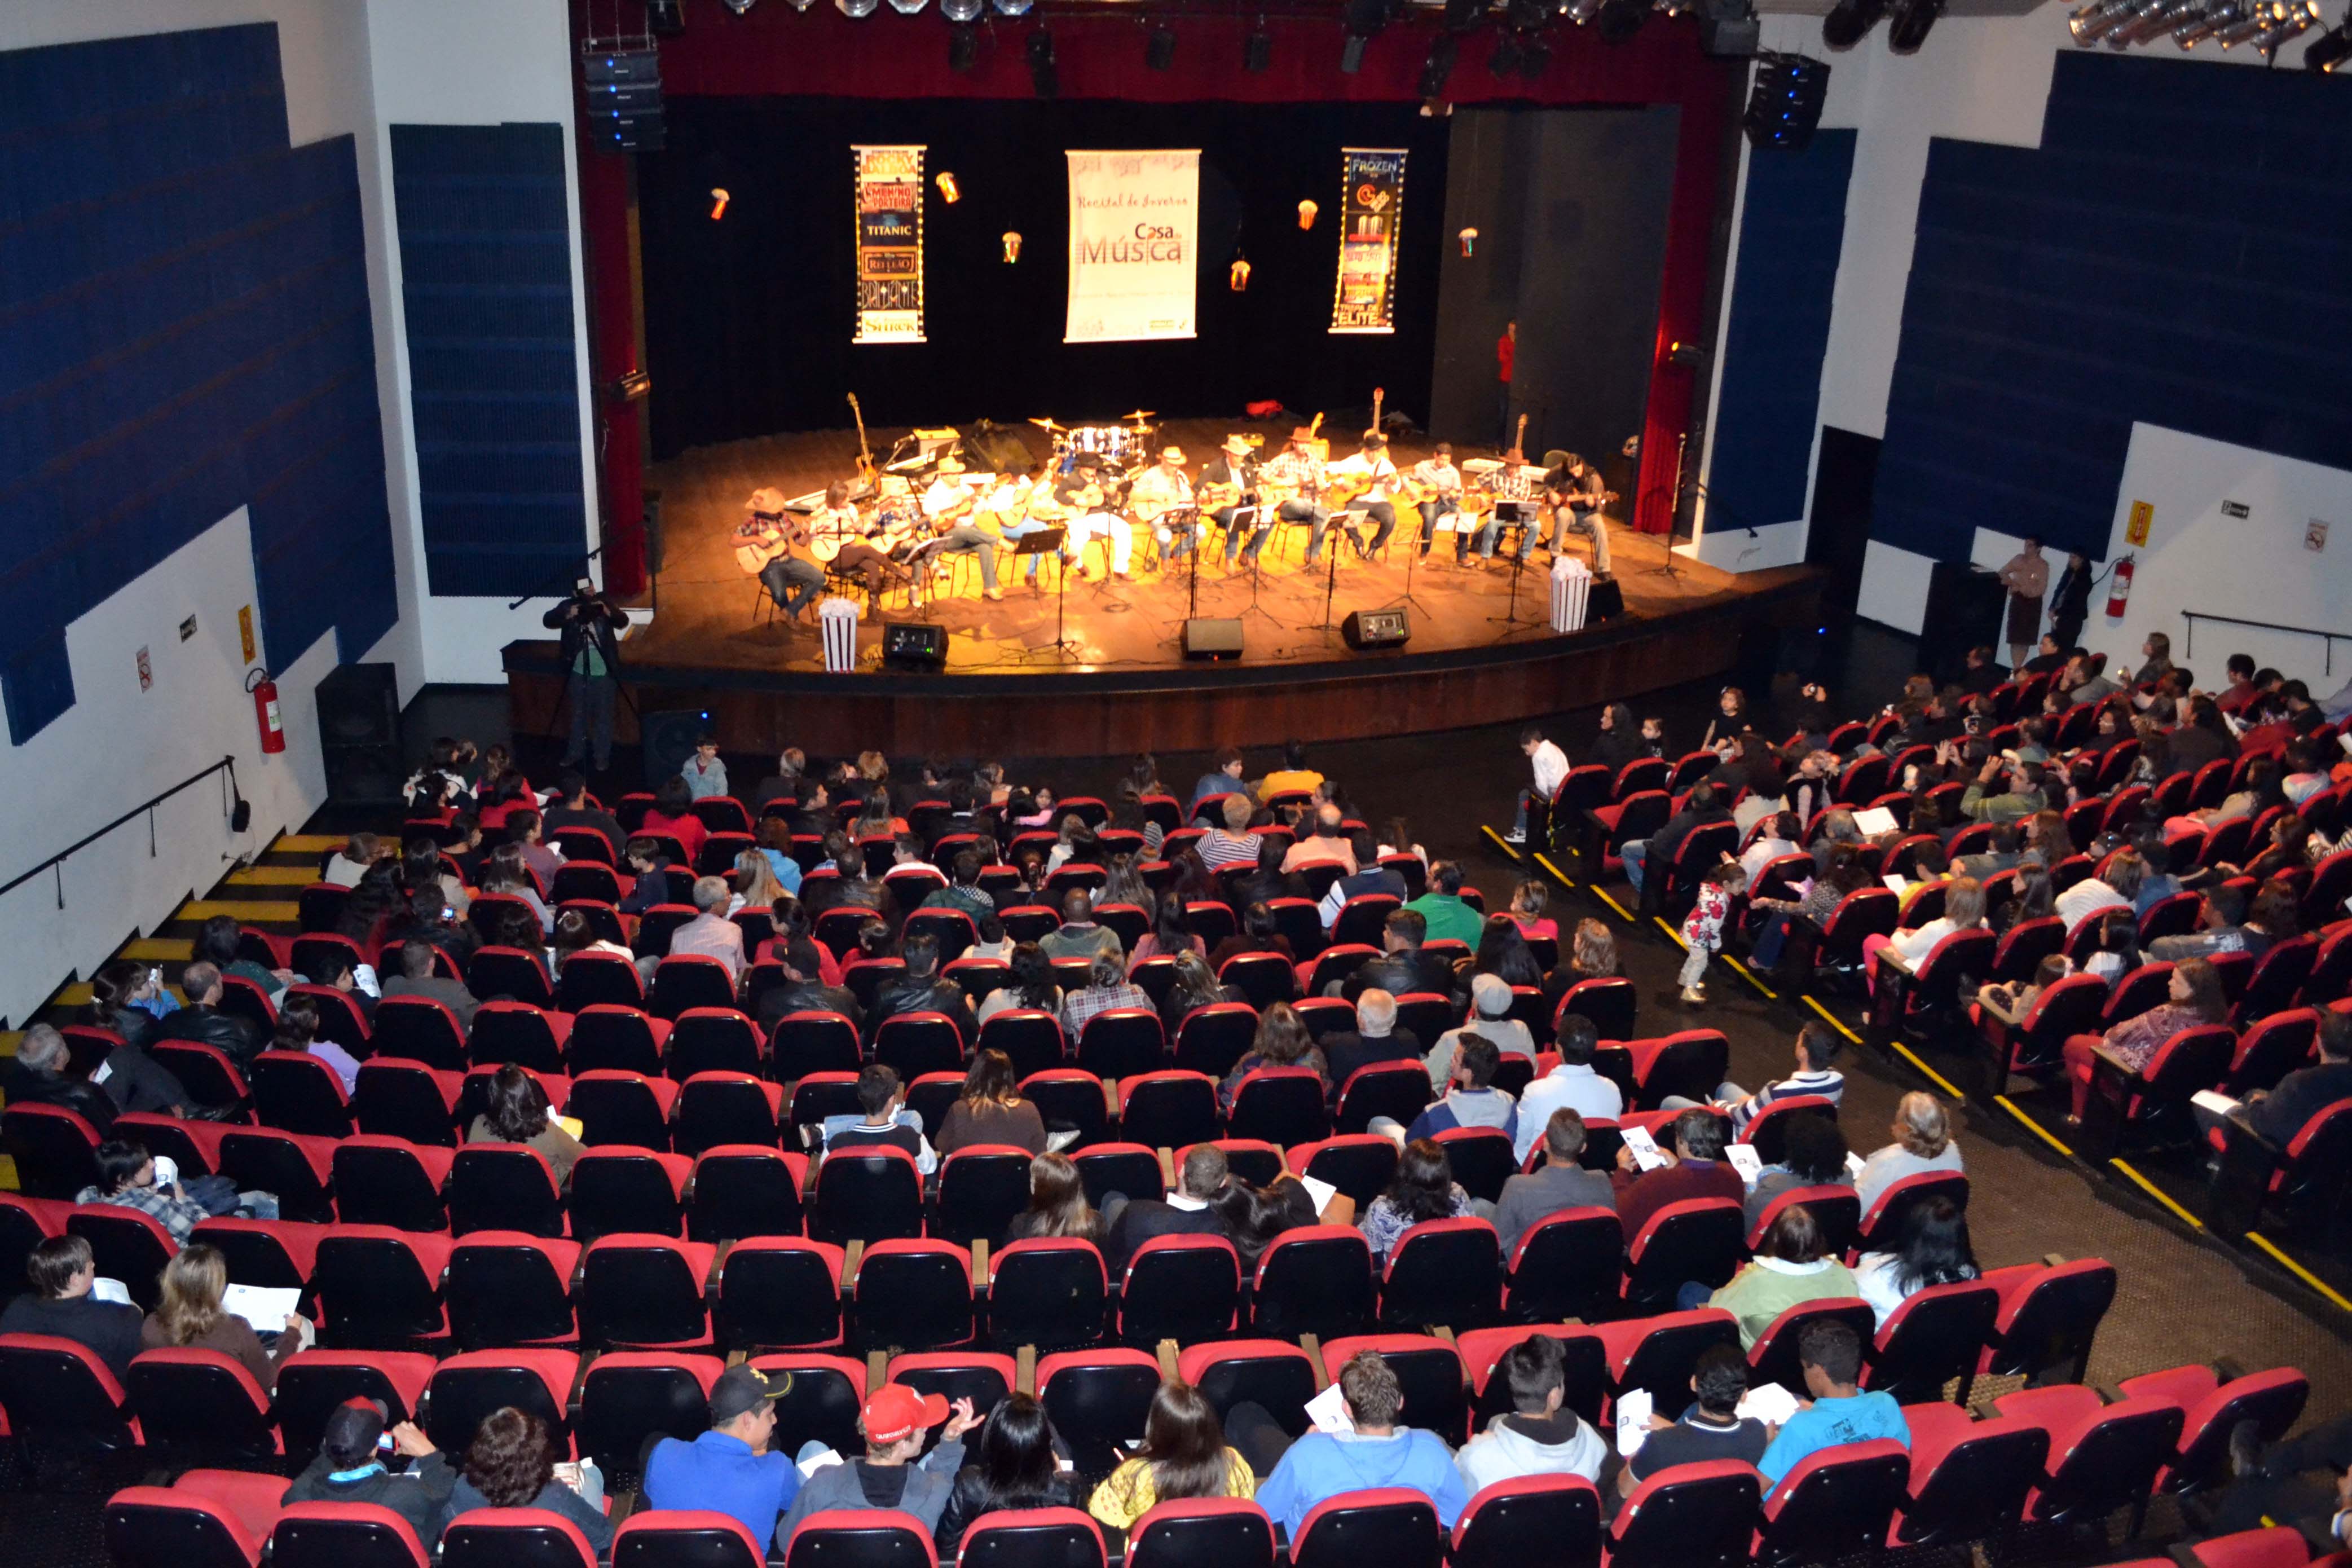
(1134, 224)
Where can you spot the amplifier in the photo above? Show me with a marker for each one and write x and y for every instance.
(1208, 637)
(1376, 628)
(912, 645)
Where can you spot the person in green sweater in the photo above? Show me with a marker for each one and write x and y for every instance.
(1442, 909)
(1791, 1266)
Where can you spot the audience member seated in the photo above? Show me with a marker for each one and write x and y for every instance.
(1058, 1205)
(1014, 1467)
(416, 979)
(1923, 1143)
(1375, 1039)
(2278, 1114)
(1538, 1435)
(1326, 844)
(925, 990)
(1183, 1456)
(1710, 1428)
(655, 882)
(1369, 877)
(351, 1468)
(2192, 996)
(1422, 1189)
(1816, 1052)
(1791, 1266)
(1964, 905)
(710, 934)
(1572, 1085)
(1079, 935)
(1255, 1216)
(61, 1272)
(1171, 932)
(1813, 1155)
(1402, 968)
(218, 944)
(516, 1112)
(200, 1020)
(1293, 777)
(1033, 984)
(1188, 1210)
(894, 1474)
(672, 812)
(191, 1317)
(1933, 1250)
(1490, 1020)
(805, 990)
(127, 1179)
(1380, 1451)
(1259, 933)
(2115, 889)
(298, 1031)
(1830, 1354)
(990, 1110)
(571, 809)
(1700, 809)
(512, 1464)
(1471, 1098)
(881, 1097)
(728, 1469)
(1693, 1169)
(1445, 916)
(1232, 844)
(128, 998)
(2305, 1481)
(1559, 1184)
(41, 1073)
(1107, 988)
(1282, 1041)
(2222, 928)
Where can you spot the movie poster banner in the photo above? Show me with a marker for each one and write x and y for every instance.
(889, 196)
(1371, 207)
(1134, 221)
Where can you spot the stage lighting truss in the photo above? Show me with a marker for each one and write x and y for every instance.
(961, 10)
(2267, 24)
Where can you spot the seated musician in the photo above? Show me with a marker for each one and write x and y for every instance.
(1297, 474)
(1516, 498)
(897, 528)
(1225, 487)
(839, 535)
(1441, 487)
(1006, 503)
(1573, 492)
(1161, 497)
(763, 544)
(1080, 493)
(949, 505)
(1370, 473)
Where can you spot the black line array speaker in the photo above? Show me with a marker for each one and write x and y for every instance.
(1212, 638)
(667, 738)
(359, 735)
(912, 645)
(1376, 628)
(1964, 608)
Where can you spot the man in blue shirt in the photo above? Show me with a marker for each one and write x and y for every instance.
(1377, 1453)
(1839, 1412)
(729, 1469)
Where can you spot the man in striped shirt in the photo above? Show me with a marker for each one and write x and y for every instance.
(1817, 1052)
(1234, 844)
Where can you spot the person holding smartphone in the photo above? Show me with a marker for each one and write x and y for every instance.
(588, 624)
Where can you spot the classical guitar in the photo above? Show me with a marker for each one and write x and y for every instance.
(867, 473)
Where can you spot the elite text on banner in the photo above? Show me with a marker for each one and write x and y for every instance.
(1371, 207)
(1134, 224)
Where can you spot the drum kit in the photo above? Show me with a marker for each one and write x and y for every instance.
(1122, 450)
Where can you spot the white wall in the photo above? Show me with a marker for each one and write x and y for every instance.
(468, 62)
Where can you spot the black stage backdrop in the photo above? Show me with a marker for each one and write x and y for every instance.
(747, 320)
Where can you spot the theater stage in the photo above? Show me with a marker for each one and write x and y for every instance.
(709, 644)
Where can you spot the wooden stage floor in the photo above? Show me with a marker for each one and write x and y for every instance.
(711, 616)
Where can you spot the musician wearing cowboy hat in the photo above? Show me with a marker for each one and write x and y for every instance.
(945, 499)
(1081, 494)
(1234, 471)
(1371, 468)
(1297, 469)
(1160, 494)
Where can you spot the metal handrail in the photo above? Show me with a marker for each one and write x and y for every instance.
(147, 808)
(2329, 639)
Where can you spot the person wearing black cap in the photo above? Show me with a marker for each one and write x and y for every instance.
(354, 1466)
(729, 1469)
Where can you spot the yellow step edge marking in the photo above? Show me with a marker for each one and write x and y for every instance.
(8, 1041)
(2150, 1188)
(1564, 880)
(78, 996)
(285, 909)
(155, 950)
(1672, 932)
(2032, 1126)
(1832, 1020)
(8, 1174)
(1939, 1080)
(309, 843)
(1614, 904)
(2298, 1270)
(272, 875)
(1500, 842)
(1741, 970)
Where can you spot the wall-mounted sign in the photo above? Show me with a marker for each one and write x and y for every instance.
(187, 628)
(245, 630)
(2236, 508)
(146, 671)
(2314, 535)
(2135, 530)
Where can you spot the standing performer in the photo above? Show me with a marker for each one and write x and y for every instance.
(839, 535)
(1225, 489)
(592, 664)
(763, 547)
(1082, 496)
(1372, 474)
(1507, 354)
(943, 503)
(1295, 475)
(1158, 498)
(2027, 578)
(1441, 486)
(1572, 491)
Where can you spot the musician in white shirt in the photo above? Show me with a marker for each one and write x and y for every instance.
(839, 535)
(1437, 476)
(1371, 466)
(947, 497)
(1007, 502)
(1158, 494)
(1090, 518)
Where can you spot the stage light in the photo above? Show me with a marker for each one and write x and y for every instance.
(739, 6)
(2295, 21)
(1526, 14)
(718, 203)
(1621, 20)
(1439, 66)
(2159, 19)
(1044, 80)
(963, 51)
(1784, 103)
(858, 9)
(907, 8)
(2329, 51)
(1469, 238)
(2189, 35)
(961, 10)
(1306, 211)
(666, 18)
(1534, 55)
(1011, 247)
(1850, 20)
(949, 191)
(1013, 7)
(803, 4)
(1582, 11)
(1908, 22)
(1257, 49)
(1237, 275)
(1159, 47)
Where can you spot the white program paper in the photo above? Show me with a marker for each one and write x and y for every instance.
(167, 1171)
(266, 1308)
(1874, 821)
(2220, 1104)
(1746, 1160)
(1319, 1191)
(1769, 1402)
(1853, 1164)
(1329, 1410)
(104, 1289)
(1634, 1409)
(1644, 1147)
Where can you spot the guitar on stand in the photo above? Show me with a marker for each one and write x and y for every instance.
(869, 475)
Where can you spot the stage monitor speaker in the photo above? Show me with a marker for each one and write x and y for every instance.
(1213, 638)
(1606, 600)
(1376, 628)
(364, 776)
(667, 738)
(911, 645)
(1964, 609)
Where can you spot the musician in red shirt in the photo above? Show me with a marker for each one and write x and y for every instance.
(1506, 352)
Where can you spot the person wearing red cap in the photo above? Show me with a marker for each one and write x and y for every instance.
(888, 1476)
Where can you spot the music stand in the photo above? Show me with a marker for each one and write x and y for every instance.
(1045, 542)
(1519, 509)
(1246, 517)
(1413, 555)
(1333, 532)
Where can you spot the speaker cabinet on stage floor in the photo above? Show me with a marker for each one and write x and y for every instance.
(1376, 628)
(668, 738)
(912, 645)
(1964, 608)
(1211, 638)
(1606, 601)
(359, 735)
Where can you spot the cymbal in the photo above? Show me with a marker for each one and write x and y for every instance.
(1047, 425)
(1140, 414)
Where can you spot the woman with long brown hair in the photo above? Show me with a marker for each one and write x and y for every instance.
(1183, 1455)
(191, 1317)
(990, 1110)
(1057, 1204)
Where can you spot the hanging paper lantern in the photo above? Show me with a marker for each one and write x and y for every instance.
(1011, 248)
(718, 200)
(1469, 238)
(1306, 211)
(947, 183)
(1239, 272)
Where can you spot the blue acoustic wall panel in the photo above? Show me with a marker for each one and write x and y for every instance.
(485, 280)
(183, 329)
(2175, 252)
(1792, 224)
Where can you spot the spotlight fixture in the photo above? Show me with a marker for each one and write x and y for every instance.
(1257, 49)
(803, 4)
(739, 6)
(1364, 20)
(2329, 51)
(2189, 35)
(963, 53)
(907, 8)
(1908, 22)
(1620, 19)
(1784, 101)
(1524, 15)
(961, 10)
(666, 18)
(1727, 29)
(1159, 47)
(855, 9)
(1582, 11)
(1012, 7)
(1439, 65)
(1534, 55)
(1044, 78)
(2155, 22)
(2296, 21)
(1850, 21)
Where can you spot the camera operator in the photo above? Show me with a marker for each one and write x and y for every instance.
(591, 663)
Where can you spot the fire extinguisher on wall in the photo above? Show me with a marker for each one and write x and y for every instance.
(2119, 594)
(265, 711)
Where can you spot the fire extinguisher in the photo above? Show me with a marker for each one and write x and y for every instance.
(2121, 591)
(265, 711)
